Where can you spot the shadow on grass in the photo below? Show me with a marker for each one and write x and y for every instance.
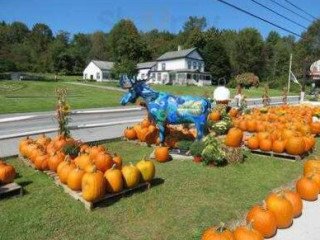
(108, 202)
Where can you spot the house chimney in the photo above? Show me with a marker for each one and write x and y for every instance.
(179, 48)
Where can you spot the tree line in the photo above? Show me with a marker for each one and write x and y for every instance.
(227, 52)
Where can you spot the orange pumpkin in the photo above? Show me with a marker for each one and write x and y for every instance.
(265, 144)
(93, 185)
(117, 160)
(307, 189)
(296, 202)
(263, 220)
(253, 142)
(54, 160)
(82, 161)
(311, 165)
(161, 154)
(145, 123)
(214, 116)
(130, 133)
(7, 173)
(278, 146)
(315, 128)
(41, 162)
(281, 208)
(247, 233)
(234, 137)
(103, 161)
(114, 180)
(295, 146)
(65, 171)
(75, 179)
(217, 233)
(251, 125)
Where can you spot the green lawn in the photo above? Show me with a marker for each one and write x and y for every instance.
(191, 198)
(31, 96)
(200, 91)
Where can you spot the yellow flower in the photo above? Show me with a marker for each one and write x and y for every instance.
(66, 108)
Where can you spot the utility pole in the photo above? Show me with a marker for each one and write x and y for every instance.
(289, 77)
(303, 87)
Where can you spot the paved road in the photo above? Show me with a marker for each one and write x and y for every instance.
(11, 125)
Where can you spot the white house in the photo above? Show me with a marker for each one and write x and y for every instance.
(315, 70)
(98, 70)
(180, 67)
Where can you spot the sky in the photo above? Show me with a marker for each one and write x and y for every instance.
(87, 16)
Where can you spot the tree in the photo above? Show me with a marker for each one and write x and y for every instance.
(124, 67)
(99, 47)
(216, 57)
(18, 32)
(41, 36)
(196, 39)
(248, 52)
(195, 23)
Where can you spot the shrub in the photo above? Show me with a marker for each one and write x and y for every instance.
(184, 145)
(247, 80)
(196, 148)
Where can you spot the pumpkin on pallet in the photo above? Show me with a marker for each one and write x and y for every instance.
(7, 173)
(93, 185)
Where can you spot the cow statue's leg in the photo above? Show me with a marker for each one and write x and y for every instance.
(200, 130)
(162, 130)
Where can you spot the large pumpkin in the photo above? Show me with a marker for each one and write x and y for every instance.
(103, 161)
(65, 170)
(263, 220)
(83, 160)
(217, 233)
(247, 233)
(295, 201)
(307, 189)
(251, 125)
(278, 146)
(131, 175)
(281, 208)
(114, 179)
(41, 162)
(295, 146)
(315, 177)
(234, 137)
(147, 169)
(75, 179)
(93, 185)
(161, 154)
(253, 142)
(265, 144)
(7, 173)
(54, 160)
(311, 165)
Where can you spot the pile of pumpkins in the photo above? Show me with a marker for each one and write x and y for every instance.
(277, 211)
(147, 132)
(280, 129)
(7, 173)
(94, 171)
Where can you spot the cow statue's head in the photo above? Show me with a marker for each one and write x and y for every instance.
(131, 85)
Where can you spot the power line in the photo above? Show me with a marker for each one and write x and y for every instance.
(297, 7)
(288, 9)
(260, 18)
(279, 14)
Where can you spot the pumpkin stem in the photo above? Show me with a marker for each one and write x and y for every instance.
(131, 164)
(114, 166)
(221, 228)
(250, 225)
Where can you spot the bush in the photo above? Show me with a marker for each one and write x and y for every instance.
(247, 80)
(184, 145)
(196, 148)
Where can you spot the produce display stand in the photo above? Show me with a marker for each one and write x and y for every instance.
(77, 195)
(10, 190)
(279, 155)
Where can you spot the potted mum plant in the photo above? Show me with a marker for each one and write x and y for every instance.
(196, 149)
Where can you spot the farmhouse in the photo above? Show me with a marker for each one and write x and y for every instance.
(181, 67)
(98, 70)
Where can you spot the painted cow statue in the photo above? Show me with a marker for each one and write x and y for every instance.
(165, 108)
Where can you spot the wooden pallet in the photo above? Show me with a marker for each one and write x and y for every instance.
(10, 190)
(77, 195)
(280, 155)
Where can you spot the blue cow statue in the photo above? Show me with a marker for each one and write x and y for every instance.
(165, 108)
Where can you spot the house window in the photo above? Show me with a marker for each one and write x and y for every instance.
(98, 75)
(188, 76)
(189, 64)
(163, 66)
(159, 77)
(199, 66)
(194, 65)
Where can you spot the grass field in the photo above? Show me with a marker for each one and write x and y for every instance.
(32, 96)
(189, 199)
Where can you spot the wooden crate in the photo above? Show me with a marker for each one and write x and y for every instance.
(77, 195)
(280, 155)
(10, 190)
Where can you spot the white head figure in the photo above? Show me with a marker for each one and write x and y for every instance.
(222, 95)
